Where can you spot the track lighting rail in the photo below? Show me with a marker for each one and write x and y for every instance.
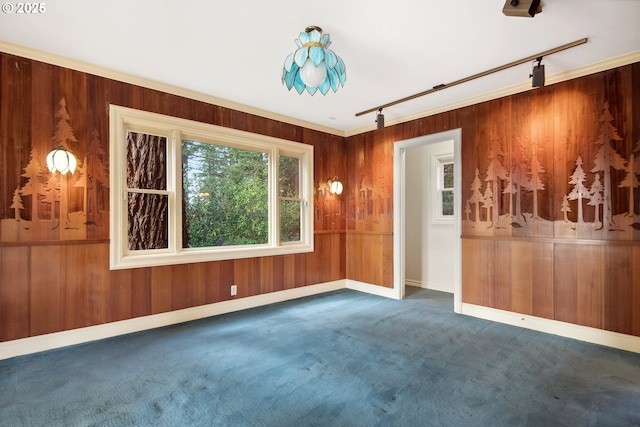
(475, 76)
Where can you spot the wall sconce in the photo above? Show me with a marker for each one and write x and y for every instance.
(537, 75)
(335, 186)
(61, 160)
(380, 119)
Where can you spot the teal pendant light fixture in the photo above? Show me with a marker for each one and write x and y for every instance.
(313, 66)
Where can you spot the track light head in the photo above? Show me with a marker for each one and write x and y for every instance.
(380, 119)
(537, 74)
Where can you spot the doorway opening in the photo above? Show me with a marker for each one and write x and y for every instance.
(400, 208)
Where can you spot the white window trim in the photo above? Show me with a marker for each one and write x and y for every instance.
(175, 129)
(437, 163)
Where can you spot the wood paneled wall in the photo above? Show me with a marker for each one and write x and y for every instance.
(55, 287)
(369, 214)
(526, 252)
(54, 275)
(542, 234)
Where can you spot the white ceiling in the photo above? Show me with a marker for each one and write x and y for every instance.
(235, 49)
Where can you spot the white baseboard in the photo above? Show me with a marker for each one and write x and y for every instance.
(51, 341)
(431, 286)
(555, 327)
(372, 289)
(55, 340)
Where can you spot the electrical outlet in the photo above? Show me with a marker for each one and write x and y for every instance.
(234, 290)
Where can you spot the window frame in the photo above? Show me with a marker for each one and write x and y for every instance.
(123, 119)
(438, 162)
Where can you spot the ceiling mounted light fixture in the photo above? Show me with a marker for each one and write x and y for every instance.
(313, 66)
(526, 8)
(537, 74)
(61, 160)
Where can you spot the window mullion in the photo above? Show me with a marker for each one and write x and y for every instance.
(306, 193)
(174, 184)
(274, 197)
(145, 191)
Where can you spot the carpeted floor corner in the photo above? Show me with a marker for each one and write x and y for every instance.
(339, 359)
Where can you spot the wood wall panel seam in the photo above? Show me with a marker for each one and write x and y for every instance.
(55, 243)
(557, 240)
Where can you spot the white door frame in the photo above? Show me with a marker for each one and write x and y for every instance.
(399, 200)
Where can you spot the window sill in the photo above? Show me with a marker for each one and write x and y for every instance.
(191, 256)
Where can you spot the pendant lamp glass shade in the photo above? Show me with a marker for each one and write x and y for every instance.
(61, 160)
(313, 66)
(311, 75)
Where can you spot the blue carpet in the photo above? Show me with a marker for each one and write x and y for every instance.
(339, 359)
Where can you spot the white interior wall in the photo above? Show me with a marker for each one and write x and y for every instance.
(429, 247)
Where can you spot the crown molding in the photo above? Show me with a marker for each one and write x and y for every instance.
(50, 58)
(607, 64)
(61, 61)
